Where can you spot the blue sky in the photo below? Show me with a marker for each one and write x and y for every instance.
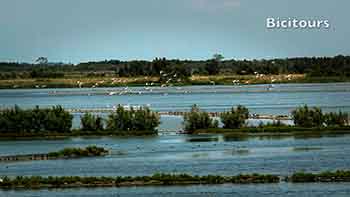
(82, 30)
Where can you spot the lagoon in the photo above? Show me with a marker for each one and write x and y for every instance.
(173, 153)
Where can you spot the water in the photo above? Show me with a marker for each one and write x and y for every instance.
(208, 154)
(171, 153)
(283, 189)
(279, 100)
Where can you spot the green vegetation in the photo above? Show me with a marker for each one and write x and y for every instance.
(91, 122)
(142, 119)
(198, 119)
(163, 71)
(17, 120)
(79, 152)
(306, 120)
(156, 179)
(166, 179)
(336, 119)
(56, 122)
(313, 66)
(337, 176)
(235, 118)
(313, 117)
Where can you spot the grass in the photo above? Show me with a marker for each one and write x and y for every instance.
(159, 179)
(337, 176)
(154, 180)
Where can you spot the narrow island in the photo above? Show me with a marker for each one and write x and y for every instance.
(307, 120)
(66, 153)
(56, 122)
(39, 182)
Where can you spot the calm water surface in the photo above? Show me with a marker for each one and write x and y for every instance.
(278, 100)
(283, 189)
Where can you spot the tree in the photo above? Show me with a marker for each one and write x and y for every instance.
(37, 120)
(142, 119)
(197, 119)
(235, 118)
(308, 117)
(91, 122)
(212, 66)
(218, 57)
(42, 60)
(336, 119)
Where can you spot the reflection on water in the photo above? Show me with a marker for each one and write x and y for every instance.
(298, 149)
(268, 190)
(237, 152)
(204, 138)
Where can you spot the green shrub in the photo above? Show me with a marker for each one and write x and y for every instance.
(337, 119)
(142, 119)
(79, 152)
(235, 118)
(198, 119)
(91, 122)
(17, 120)
(308, 117)
(313, 117)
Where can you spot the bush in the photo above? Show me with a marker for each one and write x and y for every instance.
(17, 120)
(337, 119)
(235, 118)
(308, 117)
(142, 119)
(45, 73)
(197, 119)
(91, 122)
(79, 152)
(274, 123)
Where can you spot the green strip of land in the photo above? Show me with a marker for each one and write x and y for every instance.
(21, 182)
(66, 153)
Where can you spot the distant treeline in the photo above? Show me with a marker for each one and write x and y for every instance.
(313, 66)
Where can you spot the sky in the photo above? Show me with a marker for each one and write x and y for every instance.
(83, 30)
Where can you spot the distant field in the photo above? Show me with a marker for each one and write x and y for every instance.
(74, 81)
